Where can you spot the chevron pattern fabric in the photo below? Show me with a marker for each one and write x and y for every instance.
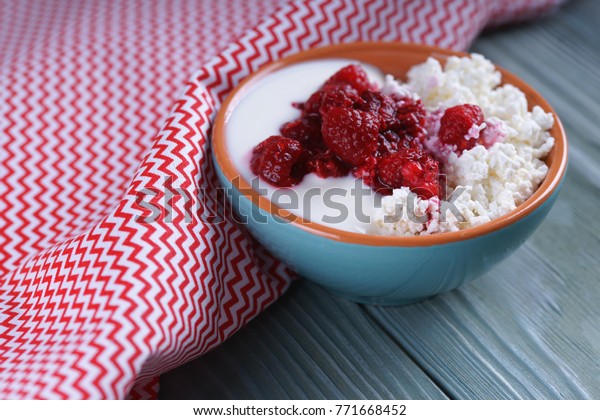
(101, 126)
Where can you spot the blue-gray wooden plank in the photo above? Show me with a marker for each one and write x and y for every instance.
(528, 329)
(309, 344)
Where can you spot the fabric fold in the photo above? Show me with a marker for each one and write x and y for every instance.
(150, 280)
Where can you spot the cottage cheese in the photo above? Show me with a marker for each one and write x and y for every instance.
(485, 182)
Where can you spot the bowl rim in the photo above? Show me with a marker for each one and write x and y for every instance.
(556, 170)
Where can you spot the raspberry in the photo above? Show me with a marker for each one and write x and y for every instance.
(352, 75)
(412, 168)
(351, 79)
(342, 96)
(367, 170)
(389, 142)
(326, 164)
(280, 161)
(379, 105)
(351, 134)
(456, 124)
(348, 126)
(306, 130)
(312, 104)
(409, 124)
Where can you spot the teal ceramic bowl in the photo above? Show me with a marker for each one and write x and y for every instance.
(385, 270)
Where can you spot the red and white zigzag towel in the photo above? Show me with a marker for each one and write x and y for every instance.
(98, 111)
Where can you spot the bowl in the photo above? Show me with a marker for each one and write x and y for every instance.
(385, 270)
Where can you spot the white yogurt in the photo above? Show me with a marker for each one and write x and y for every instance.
(260, 114)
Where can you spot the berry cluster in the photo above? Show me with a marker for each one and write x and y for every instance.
(349, 126)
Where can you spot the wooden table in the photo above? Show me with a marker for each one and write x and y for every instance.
(528, 329)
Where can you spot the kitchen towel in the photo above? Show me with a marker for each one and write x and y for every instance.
(105, 117)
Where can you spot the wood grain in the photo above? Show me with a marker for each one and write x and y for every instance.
(528, 329)
(307, 345)
(531, 327)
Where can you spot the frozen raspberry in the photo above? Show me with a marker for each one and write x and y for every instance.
(390, 142)
(342, 96)
(306, 130)
(412, 168)
(348, 126)
(367, 170)
(351, 134)
(310, 108)
(351, 79)
(280, 161)
(409, 124)
(456, 124)
(322, 161)
(352, 75)
(380, 105)
(326, 164)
